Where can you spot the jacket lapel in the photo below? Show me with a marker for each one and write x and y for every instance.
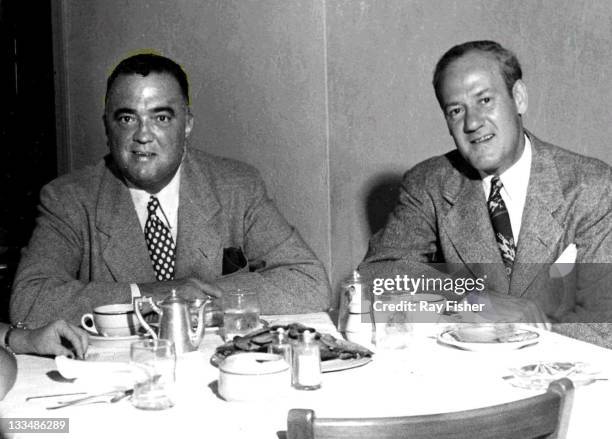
(540, 229)
(121, 238)
(199, 243)
(468, 227)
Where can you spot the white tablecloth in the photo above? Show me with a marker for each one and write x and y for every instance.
(425, 378)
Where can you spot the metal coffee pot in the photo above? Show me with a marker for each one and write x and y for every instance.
(175, 320)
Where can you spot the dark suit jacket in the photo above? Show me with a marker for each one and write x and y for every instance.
(442, 217)
(88, 245)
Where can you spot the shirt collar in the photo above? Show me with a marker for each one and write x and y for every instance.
(515, 179)
(168, 199)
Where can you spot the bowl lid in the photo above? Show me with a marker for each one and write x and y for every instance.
(253, 363)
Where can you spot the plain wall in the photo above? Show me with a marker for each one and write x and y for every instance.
(332, 100)
(257, 87)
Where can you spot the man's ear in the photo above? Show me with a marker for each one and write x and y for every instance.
(519, 94)
(188, 123)
(105, 122)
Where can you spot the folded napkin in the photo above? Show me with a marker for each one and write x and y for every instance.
(104, 373)
(564, 263)
(258, 341)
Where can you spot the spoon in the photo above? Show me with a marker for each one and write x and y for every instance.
(122, 395)
(86, 400)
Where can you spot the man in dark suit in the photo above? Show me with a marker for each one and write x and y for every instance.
(531, 219)
(156, 215)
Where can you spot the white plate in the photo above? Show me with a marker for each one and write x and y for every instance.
(338, 364)
(447, 338)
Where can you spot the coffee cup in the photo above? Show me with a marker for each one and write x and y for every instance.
(115, 320)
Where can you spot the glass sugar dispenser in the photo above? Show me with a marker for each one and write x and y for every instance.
(307, 363)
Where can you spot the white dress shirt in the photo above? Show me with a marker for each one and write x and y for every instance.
(168, 201)
(168, 212)
(514, 191)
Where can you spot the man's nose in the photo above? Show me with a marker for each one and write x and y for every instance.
(472, 121)
(143, 133)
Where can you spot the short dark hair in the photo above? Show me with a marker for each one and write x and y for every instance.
(146, 63)
(509, 66)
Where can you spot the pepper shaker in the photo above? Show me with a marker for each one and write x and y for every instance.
(281, 346)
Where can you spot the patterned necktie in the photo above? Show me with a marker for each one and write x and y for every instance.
(501, 224)
(160, 243)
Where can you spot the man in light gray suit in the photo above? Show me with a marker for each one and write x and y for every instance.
(504, 206)
(156, 215)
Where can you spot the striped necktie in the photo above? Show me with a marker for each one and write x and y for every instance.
(501, 224)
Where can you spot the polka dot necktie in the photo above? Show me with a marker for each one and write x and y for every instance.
(160, 243)
(500, 219)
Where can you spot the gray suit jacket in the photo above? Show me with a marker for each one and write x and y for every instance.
(88, 244)
(442, 217)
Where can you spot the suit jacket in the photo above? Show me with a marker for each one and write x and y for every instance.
(88, 245)
(442, 217)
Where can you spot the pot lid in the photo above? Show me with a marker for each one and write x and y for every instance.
(173, 298)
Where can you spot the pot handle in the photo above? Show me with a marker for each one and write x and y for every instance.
(138, 302)
(195, 335)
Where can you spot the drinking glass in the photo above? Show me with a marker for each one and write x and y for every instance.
(155, 361)
(240, 313)
(404, 318)
(212, 315)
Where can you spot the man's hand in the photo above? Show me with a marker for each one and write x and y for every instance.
(47, 340)
(188, 288)
(501, 308)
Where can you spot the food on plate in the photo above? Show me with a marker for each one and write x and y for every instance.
(331, 347)
(492, 333)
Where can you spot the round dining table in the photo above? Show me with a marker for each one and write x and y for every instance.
(423, 377)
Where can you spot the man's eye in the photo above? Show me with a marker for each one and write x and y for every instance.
(163, 118)
(125, 119)
(453, 112)
(485, 100)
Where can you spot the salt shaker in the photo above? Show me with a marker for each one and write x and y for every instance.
(280, 345)
(307, 363)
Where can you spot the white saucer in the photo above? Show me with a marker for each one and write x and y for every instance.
(102, 338)
(113, 342)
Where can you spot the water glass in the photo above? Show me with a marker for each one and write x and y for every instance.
(155, 362)
(404, 318)
(240, 313)
(213, 313)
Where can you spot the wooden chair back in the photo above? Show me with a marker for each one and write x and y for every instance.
(542, 416)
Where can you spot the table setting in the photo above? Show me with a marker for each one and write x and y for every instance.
(175, 374)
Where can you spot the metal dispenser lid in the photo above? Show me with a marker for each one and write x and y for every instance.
(173, 298)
